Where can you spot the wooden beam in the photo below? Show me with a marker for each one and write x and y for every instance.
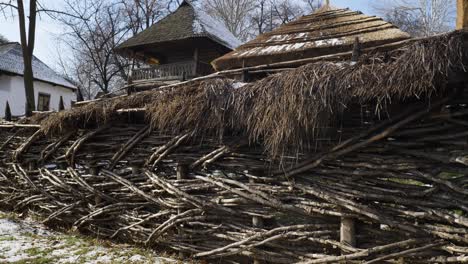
(462, 14)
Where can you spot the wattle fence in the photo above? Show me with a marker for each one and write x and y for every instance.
(395, 191)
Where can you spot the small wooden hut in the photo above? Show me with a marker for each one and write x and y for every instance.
(329, 34)
(180, 46)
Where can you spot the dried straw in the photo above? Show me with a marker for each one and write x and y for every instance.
(288, 109)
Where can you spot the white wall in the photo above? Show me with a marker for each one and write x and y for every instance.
(12, 90)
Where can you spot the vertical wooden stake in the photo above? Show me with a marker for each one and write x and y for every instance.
(181, 174)
(245, 74)
(32, 165)
(257, 221)
(462, 14)
(94, 171)
(348, 231)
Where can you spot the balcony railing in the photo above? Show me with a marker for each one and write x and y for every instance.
(172, 71)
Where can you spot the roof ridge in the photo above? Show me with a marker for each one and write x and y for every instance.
(9, 43)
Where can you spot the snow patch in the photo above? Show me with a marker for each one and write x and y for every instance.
(136, 258)
(26, 241)
(286, 37)
(237, 85)
(329, 42)
(289, 47)
(204, 23)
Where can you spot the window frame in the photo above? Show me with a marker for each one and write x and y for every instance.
(39, 105)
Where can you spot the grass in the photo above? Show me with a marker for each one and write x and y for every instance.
(9, 216)
(7, 238)
(38, 260)
(38, 255)
(77, 246)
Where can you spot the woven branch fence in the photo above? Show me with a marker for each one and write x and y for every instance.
(392, 192)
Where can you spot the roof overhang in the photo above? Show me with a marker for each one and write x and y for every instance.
(39, 80)
(164, 49)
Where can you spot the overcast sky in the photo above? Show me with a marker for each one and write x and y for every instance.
(47, 30)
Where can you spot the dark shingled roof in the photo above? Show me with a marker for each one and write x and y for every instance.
(186, 22)
(325, 32)
(11, 61)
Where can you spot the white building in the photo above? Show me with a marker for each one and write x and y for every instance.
(48, 85)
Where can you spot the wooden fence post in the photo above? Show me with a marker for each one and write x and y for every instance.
(348, 231)
(257, 221)
(93, 169)
(32, 165)
(181, 174)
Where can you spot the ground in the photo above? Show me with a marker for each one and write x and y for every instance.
(26, 241)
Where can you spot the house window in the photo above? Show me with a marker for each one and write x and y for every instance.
(43, 103)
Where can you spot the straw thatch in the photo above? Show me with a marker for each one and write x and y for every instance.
(327, 31)
(290, 108)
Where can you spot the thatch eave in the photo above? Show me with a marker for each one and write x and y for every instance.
(289, 108)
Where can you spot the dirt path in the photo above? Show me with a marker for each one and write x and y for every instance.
(23, 241)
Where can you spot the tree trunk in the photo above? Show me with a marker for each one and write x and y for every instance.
(462, 14)
(29, 88)
(27, 46)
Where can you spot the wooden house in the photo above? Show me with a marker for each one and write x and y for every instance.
(181, 46)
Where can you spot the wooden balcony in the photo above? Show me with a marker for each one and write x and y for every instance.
(172, 72)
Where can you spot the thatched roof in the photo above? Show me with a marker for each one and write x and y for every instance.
(187, 22)
(289, 108)
(327, 31)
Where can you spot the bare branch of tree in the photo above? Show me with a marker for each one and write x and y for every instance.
(421, 17)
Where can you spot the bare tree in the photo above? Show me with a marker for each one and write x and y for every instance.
(420, 17)
(312, 5)
(286, 11)
(95, 31)
(27, 27)
(233, 13)
(261, 17)
(141, 14)
(269, 14)
(28, 34)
